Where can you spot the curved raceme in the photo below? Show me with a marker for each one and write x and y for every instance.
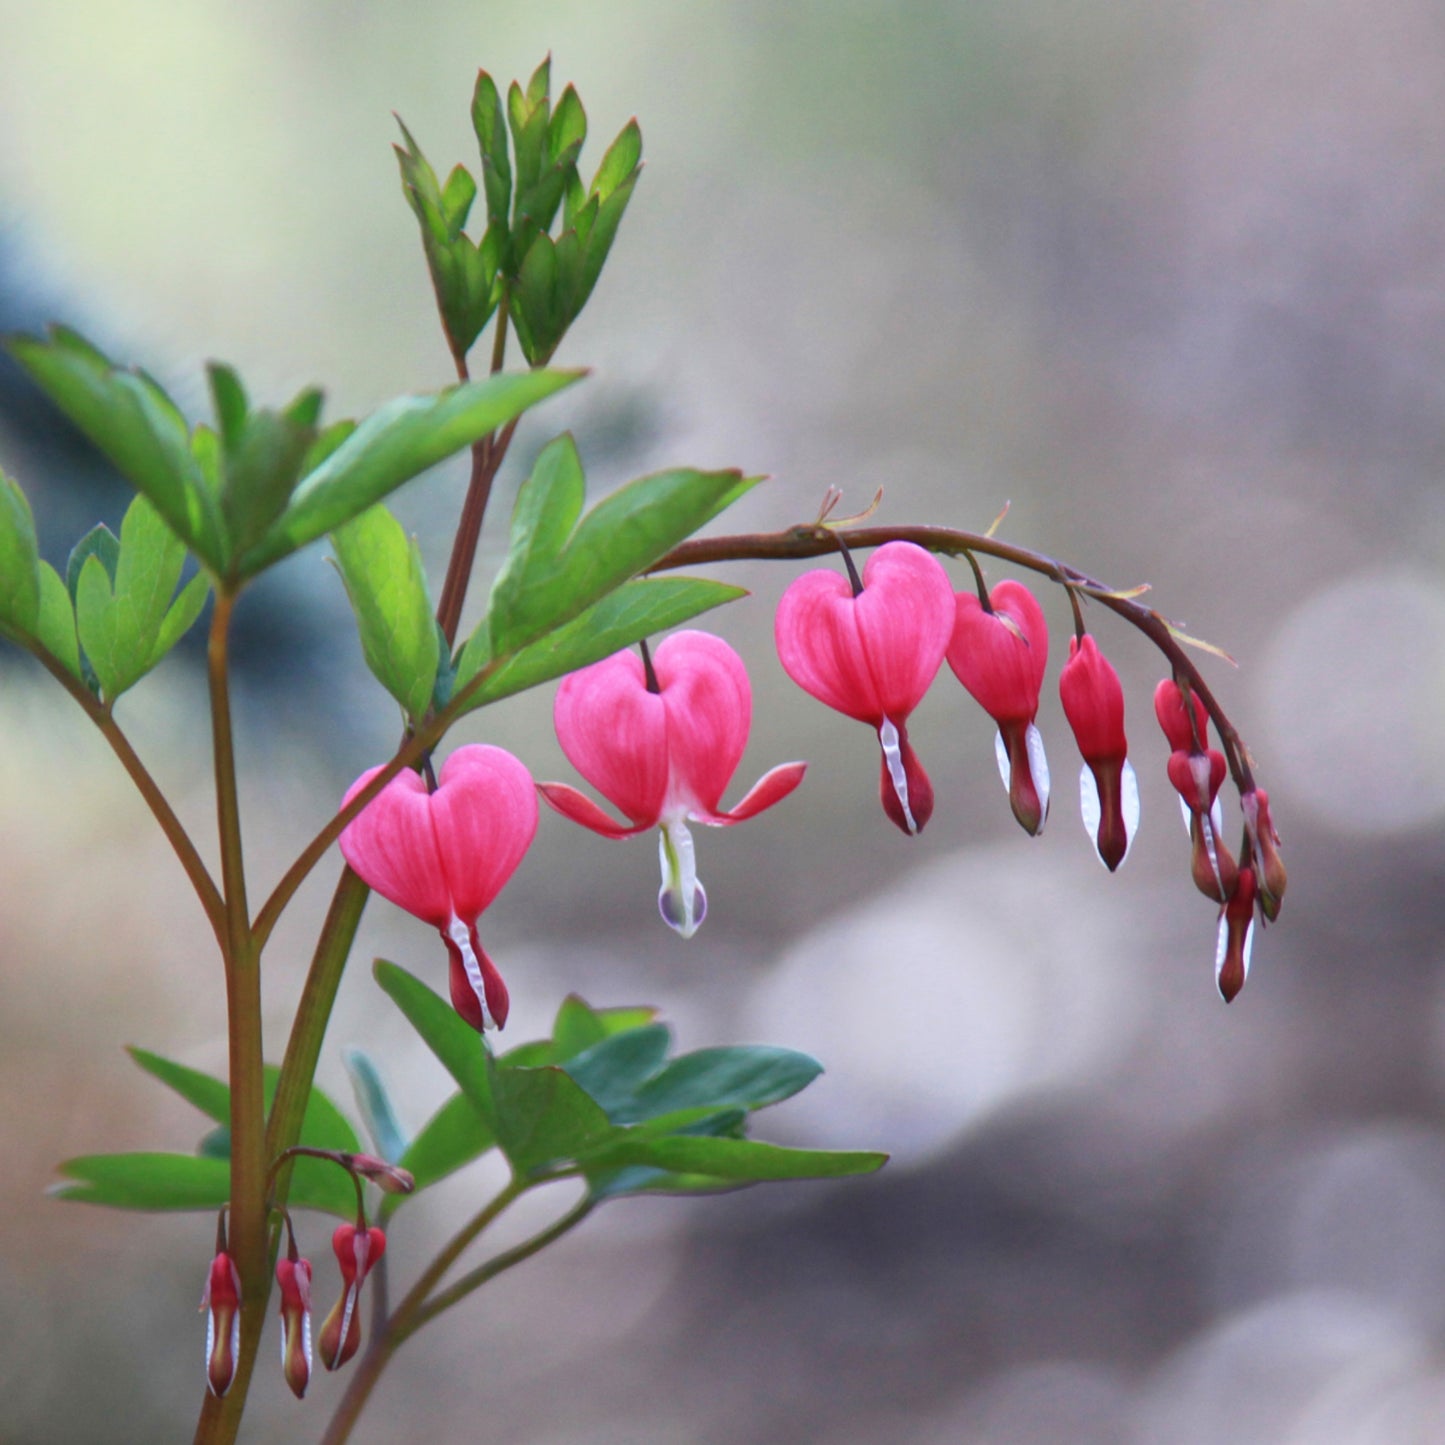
(871, 652)
(445, 855)
(999, 654)
(660, 735)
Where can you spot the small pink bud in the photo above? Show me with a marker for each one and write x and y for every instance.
(357, 1251)
(1236, 937)
(222, 1302)
(293, 1275)
(1000, 656)
(1093, 702)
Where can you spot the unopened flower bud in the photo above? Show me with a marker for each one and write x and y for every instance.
(1108, 791)
(293, 1275)
(1236, 937)
(222, 1303)
(357, 1250)
(1264, 842)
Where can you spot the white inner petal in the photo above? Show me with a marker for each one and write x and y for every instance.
(1091, 808)
(1000, 752)
(1039, 767)
(1129, 804)
(461, 935)
(682, 900)
(893, 761)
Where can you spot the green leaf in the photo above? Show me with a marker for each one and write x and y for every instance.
(464, 275)
(489, 121)
(639, 1179)
(315, 1183)
(452, 1137)
(741, 1160)
(456, 1044)
(99, 542)
(578, 1025)
(55, 625)
(748, 1077)
(373, 1100)
(553, 572)
(612, 1071)
(262, 466)
(568, 126)
(19, 560)
(210, 1095)
(544, 1118)
(635, 610)
(394, 444)
(620, 162)
(229, 399)
(137, 426)
(127, 620)
(181, 616)
(385, 580)
(146, 1181)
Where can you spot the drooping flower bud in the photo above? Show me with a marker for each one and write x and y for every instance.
(1236, 937)
(222, 1303)
(293, 1275)
(1093, 702)
(871, 650)
(1264, 844)
(1197, 771)
(357, 1250)
(999, 655)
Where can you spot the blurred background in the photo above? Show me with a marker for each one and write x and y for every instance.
(1169, 280)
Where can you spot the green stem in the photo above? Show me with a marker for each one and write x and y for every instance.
(220, 1419)
(416, 1309)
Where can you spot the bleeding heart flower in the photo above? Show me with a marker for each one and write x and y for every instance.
(444, 856)
(357, 1249)
(870, 650)
(999, 655)
(661, 736)
(1108, 790)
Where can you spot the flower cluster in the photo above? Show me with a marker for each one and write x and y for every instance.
(1257, 879)
(660, 736)
(357, 1249)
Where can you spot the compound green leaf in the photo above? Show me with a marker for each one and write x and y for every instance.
(394, 444)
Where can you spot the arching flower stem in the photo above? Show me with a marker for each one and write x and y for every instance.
(803, 542)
